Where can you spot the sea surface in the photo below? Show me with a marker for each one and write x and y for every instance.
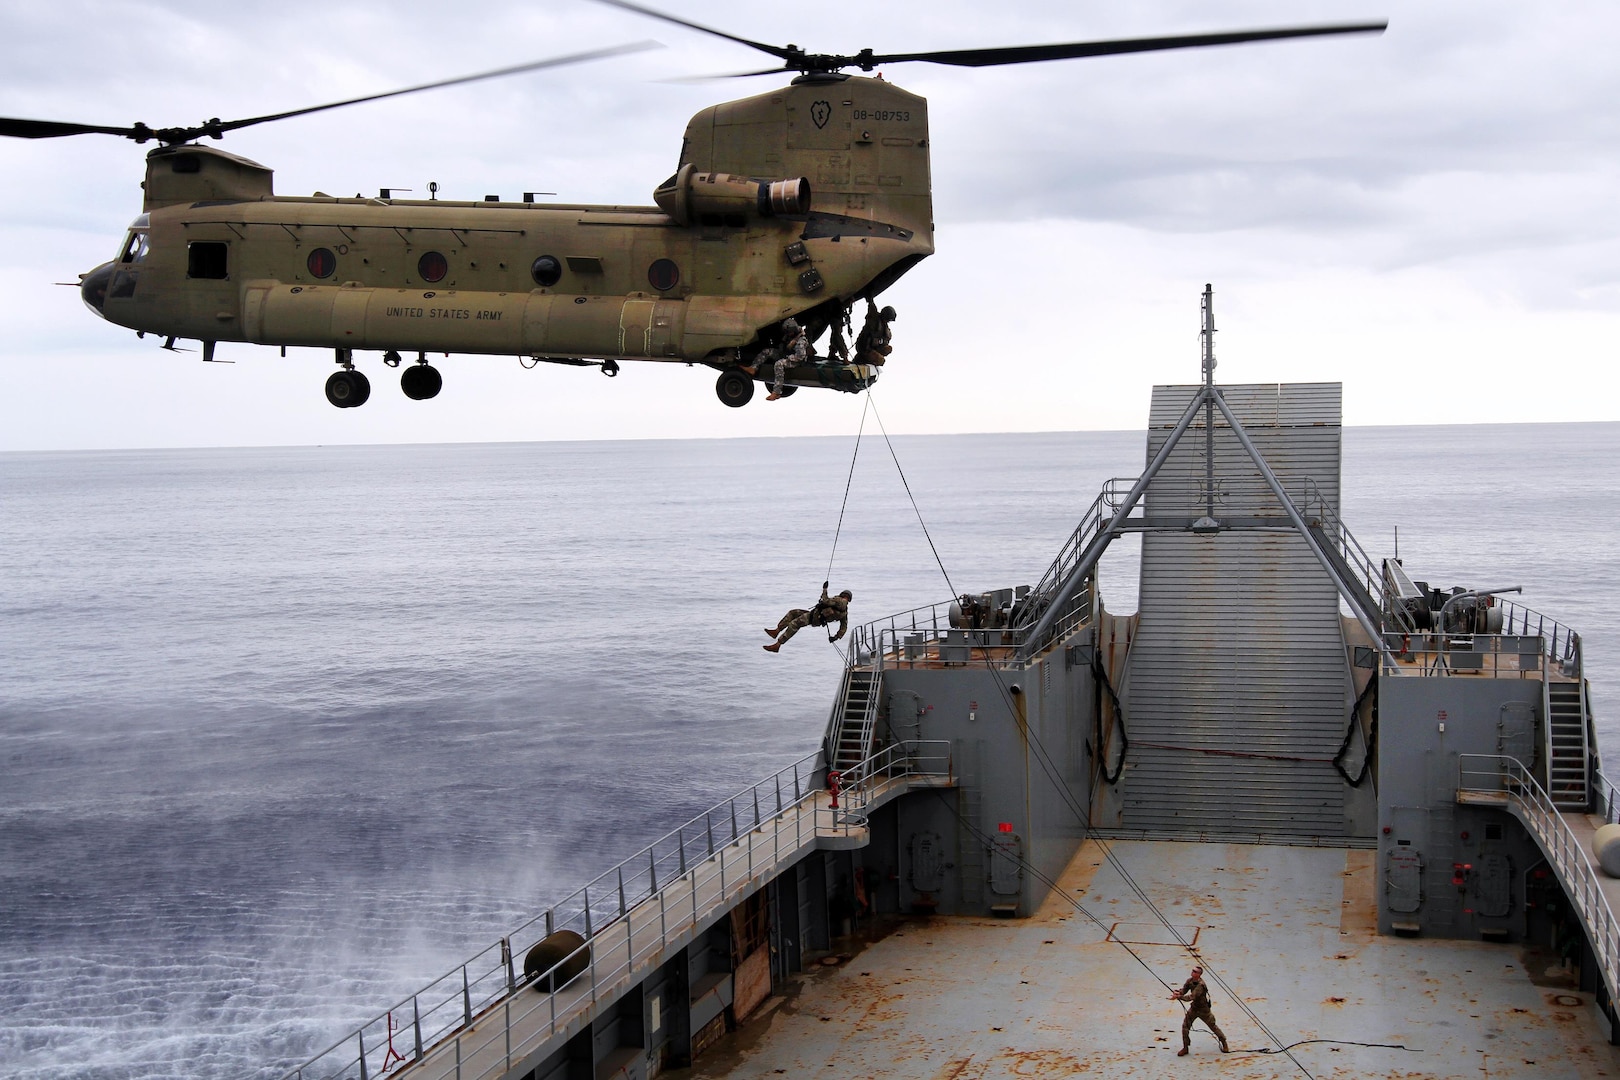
(285, 733)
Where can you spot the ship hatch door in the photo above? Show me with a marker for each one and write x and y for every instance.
(1516, 732)
(927, 862)
(1403, 880)
(1494, 886)
(1007, 865)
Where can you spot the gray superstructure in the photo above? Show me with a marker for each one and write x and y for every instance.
(1363, 801)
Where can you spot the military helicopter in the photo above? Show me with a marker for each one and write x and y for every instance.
(794, 204)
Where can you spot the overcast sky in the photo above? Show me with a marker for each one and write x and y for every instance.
(1428, 216)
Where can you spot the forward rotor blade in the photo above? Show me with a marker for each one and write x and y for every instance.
(651, 13)
(1029, 54)
(51, 129)
(538, 65)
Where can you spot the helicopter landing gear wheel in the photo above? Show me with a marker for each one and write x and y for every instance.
(735, 388)
(421, 381)
(789, 391)
(346, 389)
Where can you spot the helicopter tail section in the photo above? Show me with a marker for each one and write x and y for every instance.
(861, 147)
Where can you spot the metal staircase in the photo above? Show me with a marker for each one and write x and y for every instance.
(1568, 769)
(855, 719)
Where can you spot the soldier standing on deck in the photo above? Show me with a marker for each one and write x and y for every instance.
(1196, 994)
(827, 609)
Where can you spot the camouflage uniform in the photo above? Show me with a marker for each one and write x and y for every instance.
(826, 610)
(796, 351)
(1196, 994)
(872, 345)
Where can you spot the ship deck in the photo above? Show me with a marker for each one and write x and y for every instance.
(1291, 929)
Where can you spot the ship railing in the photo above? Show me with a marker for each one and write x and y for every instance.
(1314, 505)
(1498, 778)
(1563, 645)
(625, 916)
(1099, 513)
(910, 637)
(1608, 800)
(1526, 640)
(1497, 656)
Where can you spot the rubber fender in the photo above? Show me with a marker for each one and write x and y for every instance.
(1606, 846)
(563, 947)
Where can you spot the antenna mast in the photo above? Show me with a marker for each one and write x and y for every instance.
(1207, 335)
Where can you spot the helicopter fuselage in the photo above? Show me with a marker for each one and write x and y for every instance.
(791, 203)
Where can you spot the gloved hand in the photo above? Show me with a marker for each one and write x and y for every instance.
(825, 585)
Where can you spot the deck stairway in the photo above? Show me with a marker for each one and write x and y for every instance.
(1567, 765)
(855, 719)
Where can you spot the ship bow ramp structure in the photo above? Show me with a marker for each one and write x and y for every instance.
(1288, 736)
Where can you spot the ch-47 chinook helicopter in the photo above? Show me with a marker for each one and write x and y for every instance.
(796, 203)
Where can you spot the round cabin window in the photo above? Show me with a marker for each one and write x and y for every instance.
(432, 266)
(322, 263)
(663, 275)
(547, 271)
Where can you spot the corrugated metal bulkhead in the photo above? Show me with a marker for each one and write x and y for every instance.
(1237, 689)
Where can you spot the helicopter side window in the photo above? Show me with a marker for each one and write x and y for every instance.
(206, 259)
(134, 248)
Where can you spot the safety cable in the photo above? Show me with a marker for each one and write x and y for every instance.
(907, 485)
(1047, 766)
(847, 482)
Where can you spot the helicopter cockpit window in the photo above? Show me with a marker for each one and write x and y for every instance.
(207, 259)
(134, 247)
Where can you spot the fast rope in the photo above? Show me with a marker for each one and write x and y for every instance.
(907, 485)
(1081, 814)
(847, 482)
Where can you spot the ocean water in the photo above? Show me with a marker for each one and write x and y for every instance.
(285, 733)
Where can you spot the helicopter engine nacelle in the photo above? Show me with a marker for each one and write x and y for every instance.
(706, 198)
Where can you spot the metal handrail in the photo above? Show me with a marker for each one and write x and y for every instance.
(1102, 510)
(1315, 504)
(1525, 797)
(714, 843)
(1563, 644)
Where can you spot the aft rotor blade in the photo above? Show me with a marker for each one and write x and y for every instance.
(538, 65)
(1029, 54)
(652, 13)
(731, 75)
(52, 129)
